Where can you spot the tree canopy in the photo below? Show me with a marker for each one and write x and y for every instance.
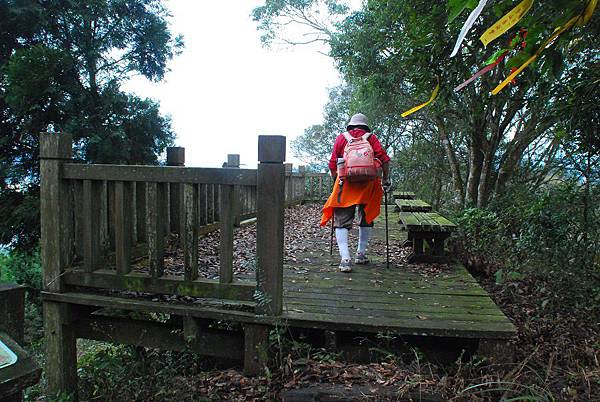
(393, 54)
(62, 64)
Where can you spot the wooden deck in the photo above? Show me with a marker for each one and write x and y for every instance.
(426, 300)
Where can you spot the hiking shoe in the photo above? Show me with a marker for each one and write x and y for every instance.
(361, 259)
(345, 266)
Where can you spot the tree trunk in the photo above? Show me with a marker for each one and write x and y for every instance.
(454, 166)
(485, 179)
(475, 166)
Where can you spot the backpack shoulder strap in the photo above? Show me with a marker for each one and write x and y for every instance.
(366, 136)
(348, 137)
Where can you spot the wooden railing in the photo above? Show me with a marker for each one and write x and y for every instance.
(106, 226)
(317, 186)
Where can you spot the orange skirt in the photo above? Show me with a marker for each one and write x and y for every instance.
(368, 193)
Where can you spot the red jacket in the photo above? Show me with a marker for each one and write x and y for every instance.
(340, 144)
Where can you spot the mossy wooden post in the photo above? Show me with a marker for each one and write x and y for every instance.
(61, 364)
(190, 233)
(176, 157)
(269, 236)
(256, 346)
(233, 161)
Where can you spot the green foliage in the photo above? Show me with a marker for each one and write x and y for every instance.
(22, 268)
(119, 372)
(481, 237)
(61, 67)
(539, 235)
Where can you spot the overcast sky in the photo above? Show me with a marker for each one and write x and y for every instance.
(225, 88)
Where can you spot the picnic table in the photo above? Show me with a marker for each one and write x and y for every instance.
(405, 205)
(428, 228)
(404, 195)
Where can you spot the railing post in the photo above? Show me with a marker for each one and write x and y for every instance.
(288, 183)
(175, 157)
(302, 172)
(270, 221)
(61, 363)
(233, 161)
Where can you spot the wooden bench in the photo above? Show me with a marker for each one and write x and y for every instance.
(404, 195)
(429, 227)
(405, 205)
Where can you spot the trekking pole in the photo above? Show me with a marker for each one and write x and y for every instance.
(387, 239)
(331, 238)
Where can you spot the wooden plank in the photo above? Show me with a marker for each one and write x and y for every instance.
(216, 202)
(227, 208)
(412, 326)
(210, 199)
(198, 310)
(77, 216)
(150, 334)
(176, 208)
(404, 195)
(374, 289)
(405, 205)
(408, 302)
(202, 204)
(104, 226)
(290, 318)
(385, 313)
(92, 193)
(155, 227)
(123, 226)
(171, 285)
(270, 226)
(140, 210)
(161, 174)
(190, 233)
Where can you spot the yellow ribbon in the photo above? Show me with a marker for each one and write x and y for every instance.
(506, 22)
(547, 42)
(422, 105)
(587, 13)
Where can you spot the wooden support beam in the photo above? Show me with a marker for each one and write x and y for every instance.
(170, 285)
(161, 174)
(140, 210)
(123, 226)
(91, 214)
(270, 224)
(77, 216)
(155, 227)
(256, 347)
(207, 342)
(190, 233)
(226, 246)
(61, 352)
(233, 162)
(202, 204)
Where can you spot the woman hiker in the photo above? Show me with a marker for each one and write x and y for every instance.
(348, 194)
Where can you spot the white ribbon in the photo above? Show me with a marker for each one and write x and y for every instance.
(468, 24)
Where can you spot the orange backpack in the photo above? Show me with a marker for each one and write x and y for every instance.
(359, 162)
